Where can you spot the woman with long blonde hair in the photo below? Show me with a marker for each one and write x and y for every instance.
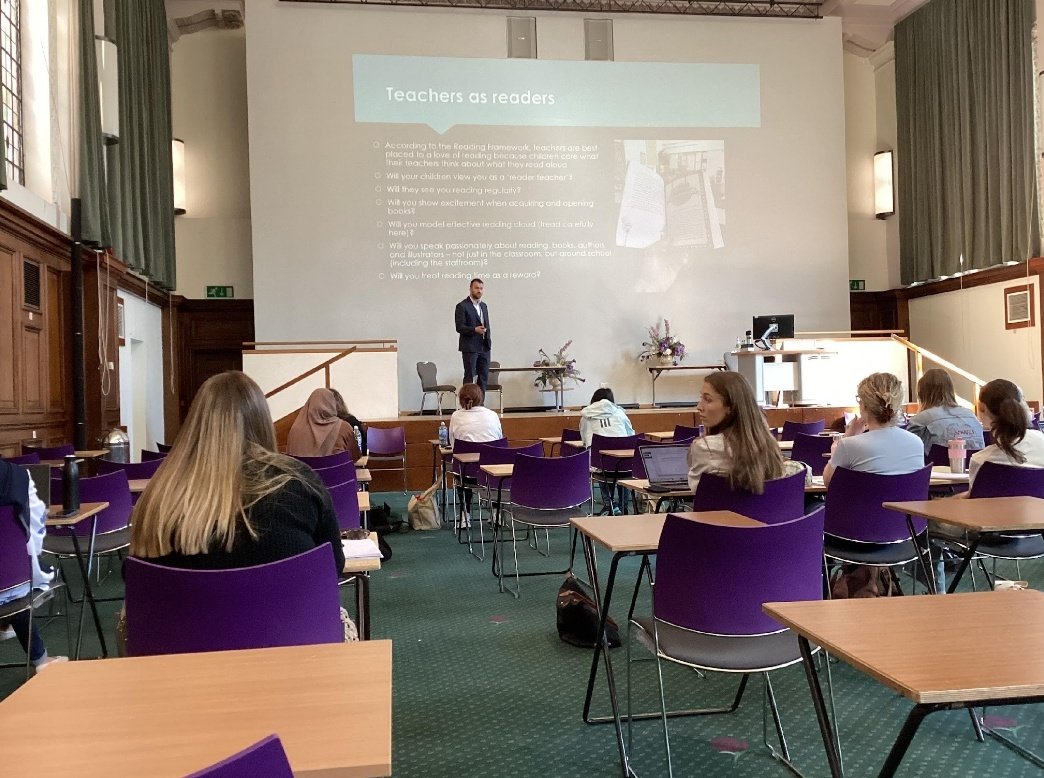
(738, 443)
(224, 498)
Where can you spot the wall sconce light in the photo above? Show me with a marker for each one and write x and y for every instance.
(108, 89)
(884, 192)
(177, 148)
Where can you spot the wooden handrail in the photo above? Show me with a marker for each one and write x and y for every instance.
(322, 366)
(849, 332)
(939, 360)
(317, 342)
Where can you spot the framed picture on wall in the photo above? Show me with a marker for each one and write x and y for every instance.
(121, 323)
(1018, 307)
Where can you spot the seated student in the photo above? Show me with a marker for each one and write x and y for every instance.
(18, 490)
(872, 442)
(604, 417)
(1003, 409)
(318, 432)
(474, 423)
(738, 443)
(941, 419)
(346, 415)
(224, 497)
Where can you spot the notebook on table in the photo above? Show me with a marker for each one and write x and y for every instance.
(667, 467)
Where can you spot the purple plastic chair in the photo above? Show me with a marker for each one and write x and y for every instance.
(783, 499)
(567, 435)
(388, 445)
(149, 456)
(465, 476)
(683, 433)
(50, 452)
(345, 498)
(997, 480)
(265, 758)
(338, 474)
(609, 470)
(940, 455)
(546, 492)
(495, 491)
(987, 438)
(163, 448)
(327, 461)
(810, 450)
(292, 602)
(16, 570)
(792, 428)
(711, 583)
(859, 530)
(24, 459)
(134, 470)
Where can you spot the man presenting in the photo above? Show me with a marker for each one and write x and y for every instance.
(472, 320)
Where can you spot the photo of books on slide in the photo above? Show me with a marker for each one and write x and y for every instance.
(670, 192)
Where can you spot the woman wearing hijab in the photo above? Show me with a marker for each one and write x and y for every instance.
(18, 490)
(318, 432)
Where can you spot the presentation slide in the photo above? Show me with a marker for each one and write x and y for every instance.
(469, 179)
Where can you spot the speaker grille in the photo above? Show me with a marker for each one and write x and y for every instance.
(31, 284)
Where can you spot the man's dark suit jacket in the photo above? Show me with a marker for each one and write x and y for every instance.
(467, 320)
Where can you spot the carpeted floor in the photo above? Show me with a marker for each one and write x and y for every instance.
(484, 687)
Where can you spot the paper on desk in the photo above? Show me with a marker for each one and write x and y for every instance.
(361, 549)
(816, 480)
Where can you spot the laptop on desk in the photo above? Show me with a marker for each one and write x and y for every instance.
(667, 467)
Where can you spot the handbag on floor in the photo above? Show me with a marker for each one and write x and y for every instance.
(577, 617)
(423, 509)
(852, 581)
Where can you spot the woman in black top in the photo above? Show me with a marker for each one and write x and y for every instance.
(223, 497)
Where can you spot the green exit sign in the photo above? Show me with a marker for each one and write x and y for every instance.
(220, 292)
(857, 285)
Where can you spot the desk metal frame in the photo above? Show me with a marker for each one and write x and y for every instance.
(655, 370)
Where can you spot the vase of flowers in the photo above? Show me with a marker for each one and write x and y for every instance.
(565, 369)
(661, 346)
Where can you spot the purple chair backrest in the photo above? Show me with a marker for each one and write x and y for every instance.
(940, 455)
(547, 483)
(111, 488)
(150, 456)
(338, 474)
(15, 565)
(345, 498)
(715, 579)
(382, 442)
(854, 510)
(600, 443)
(683, 433)
(996, 480)
(792, 428)
(24, 459)
(810, 449)
(163, 448)
(292, 602)
(134, 470)
(50, 452)
(568, 434)
(471, 469)
(987, 438)
(783, 498)
(492, 454)
(326, 461)
(265, 758)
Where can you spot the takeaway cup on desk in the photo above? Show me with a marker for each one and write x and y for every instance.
(958, 463)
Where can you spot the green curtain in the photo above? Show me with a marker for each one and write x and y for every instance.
(967, 178)
(94, 203)
(141, 164)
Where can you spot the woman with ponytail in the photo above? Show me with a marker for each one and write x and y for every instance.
(872, 442)
(1003, 410)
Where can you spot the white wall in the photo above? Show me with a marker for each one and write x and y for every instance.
(883, 61)
(787, 248)
(209, 113)
(967, 328)
(141, 373)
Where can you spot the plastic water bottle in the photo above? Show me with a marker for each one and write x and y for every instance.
(70, 485)
(443, 435)
(958, 463)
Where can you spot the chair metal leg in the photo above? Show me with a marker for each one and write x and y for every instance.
(663, 701)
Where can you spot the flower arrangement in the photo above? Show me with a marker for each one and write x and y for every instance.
(546, 379)
(662, 346)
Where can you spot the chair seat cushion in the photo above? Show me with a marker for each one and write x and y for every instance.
(869, 553)
(442, 388)
(549, 518)
(1012, 546)
(62, 545)
(720, 652)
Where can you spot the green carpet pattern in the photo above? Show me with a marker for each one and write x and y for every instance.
(484, 687)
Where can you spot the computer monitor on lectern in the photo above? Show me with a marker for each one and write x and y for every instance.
(773, 327)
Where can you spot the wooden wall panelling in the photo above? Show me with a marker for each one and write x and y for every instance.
(10, 315)
(59, 370)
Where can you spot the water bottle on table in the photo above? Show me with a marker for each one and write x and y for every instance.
(70, 485)
(958, 463)
(443, 435)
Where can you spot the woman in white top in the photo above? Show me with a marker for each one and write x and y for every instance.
(872, 443)
(474, 423)
(738, 443)
(1003, 409)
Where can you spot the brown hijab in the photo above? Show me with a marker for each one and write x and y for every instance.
(317, 428)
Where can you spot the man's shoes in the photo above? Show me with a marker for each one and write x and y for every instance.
(464, 522)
